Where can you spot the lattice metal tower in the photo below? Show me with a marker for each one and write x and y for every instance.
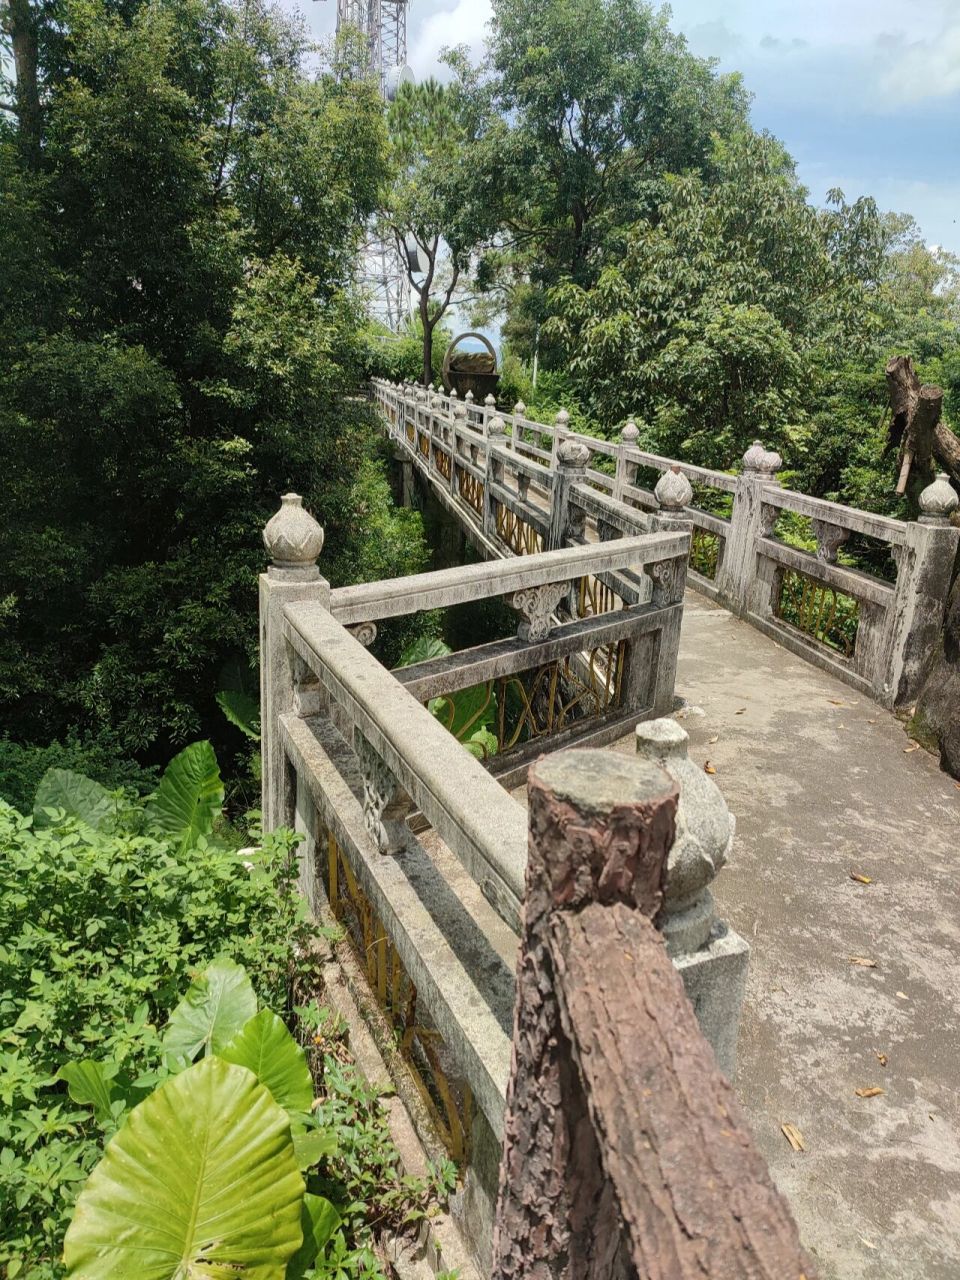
(384, 23)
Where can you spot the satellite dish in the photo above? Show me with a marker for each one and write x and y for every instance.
(395, 77)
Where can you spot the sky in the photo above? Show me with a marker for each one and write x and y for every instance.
(865, 94)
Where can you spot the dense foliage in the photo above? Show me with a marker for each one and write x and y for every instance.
(108, 907)
(178, 345)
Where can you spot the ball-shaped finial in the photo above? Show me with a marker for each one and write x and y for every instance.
(562, 419)
(490, 400)
(630, 433)
(519, 409)
(673, 490)
(573, 453)
(753, 456)
(496, 426)
(938, 500)
(469, 396)
(453, 393)
(704, 837)
(292, 537)
(459, 409)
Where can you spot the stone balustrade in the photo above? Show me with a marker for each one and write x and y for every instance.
(519, 486)
(413, 844)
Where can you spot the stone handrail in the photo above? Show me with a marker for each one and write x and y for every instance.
(874, 634)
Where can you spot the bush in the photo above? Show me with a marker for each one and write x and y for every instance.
(22, 767)
(101, 932)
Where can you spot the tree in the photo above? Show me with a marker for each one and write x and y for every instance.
(432, 212)
(178, 346)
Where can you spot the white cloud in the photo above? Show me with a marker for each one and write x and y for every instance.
(922, 69)
(465, 23)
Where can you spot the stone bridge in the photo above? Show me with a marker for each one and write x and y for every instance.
(784, 667)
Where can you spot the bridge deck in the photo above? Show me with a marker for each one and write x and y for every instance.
(821, 785)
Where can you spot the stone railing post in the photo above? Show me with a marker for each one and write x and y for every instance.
(674, 493)
(561, 426)
(566, 520)
(925, 569)
(294, 540)
(496, 437)
(625, 1153)
(741, 586)
(625, 468)
(711, 958)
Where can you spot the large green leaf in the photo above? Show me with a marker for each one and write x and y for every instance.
(266, 1047)
(80, 796)
(91, 1084)
(189, 797)
(422, 650)
(200, 1182)
(241, 710)
(217, 1005)
(319, 1220)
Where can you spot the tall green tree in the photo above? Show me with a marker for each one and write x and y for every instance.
(177, 344)
(436, 216)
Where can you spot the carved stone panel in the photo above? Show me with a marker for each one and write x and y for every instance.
(537, 604)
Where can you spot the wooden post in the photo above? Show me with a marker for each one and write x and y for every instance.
(625, 1153)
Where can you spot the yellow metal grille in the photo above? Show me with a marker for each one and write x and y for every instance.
(443, 462)
(537, 703)
(471, 490)
(595, 597)
(423, 444)
(449, 1100)
(411, 432)
(818, 610)
(520, 537)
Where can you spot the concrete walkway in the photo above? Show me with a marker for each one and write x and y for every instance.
(823, 787)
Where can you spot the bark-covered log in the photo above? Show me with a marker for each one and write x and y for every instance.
(625, 1154)
(916, 427)
(693, 1191)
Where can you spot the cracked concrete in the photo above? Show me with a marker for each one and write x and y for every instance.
(823, 786)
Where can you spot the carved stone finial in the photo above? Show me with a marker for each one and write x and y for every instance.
(519, 409)
(673, 490)
(562, 420)
(573, 453)
(766, 462)
(496, 426)
(364, 632)
(490, 400)
(703, 841)
(630, 433)
(431, 387)
(421, 396)
(459, 410)
(469, 397)
(537, 604)
(293, 538)
(453, 393)
(938, 500)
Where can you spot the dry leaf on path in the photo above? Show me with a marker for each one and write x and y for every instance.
(708, 768)
(838, 702)
(715, 738)
(902, 995)
(740, 712)
(881, 1057)
(793, 1136)
(874, 1091)
(915, 747)
(855, 875)
(864, 961)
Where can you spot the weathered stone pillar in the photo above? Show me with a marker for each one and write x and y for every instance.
(570, 469)
(740, 585)
(925, 569)
(711, 958)
(294, 540)
(561, 424)
(496, 438)
(625, 469)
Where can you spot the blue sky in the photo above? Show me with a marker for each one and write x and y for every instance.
(864, 93)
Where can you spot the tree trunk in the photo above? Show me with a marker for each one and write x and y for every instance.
(917, 428)
(21, 26)
(427, 341)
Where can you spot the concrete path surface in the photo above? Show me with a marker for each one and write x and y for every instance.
(824, 787)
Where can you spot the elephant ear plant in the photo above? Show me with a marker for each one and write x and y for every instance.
(204, 1178)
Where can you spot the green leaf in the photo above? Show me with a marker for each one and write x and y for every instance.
(80, 796)
(318, 1220)
(201, 1181)
(189, 798)
(89, 1083)
(422, 649)
(314, 1145)
(217, 1005)
(266, 1047)
(241, 710)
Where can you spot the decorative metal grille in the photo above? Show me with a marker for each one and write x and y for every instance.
(595, 597)
(423, 444)
(538, 703)
(442, 459)
(448, 1099)
(819, 611)
(471, 490)
(522, 538)
(411, 432)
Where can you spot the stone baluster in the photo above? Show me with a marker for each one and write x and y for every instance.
(489, 407)
(746, 582)
(830, 538)
(496, 439)
(519, 413)
(626, 470)
(561, 428)
(711, 958)
(567, 519)
(294, 540)
(925, 568)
